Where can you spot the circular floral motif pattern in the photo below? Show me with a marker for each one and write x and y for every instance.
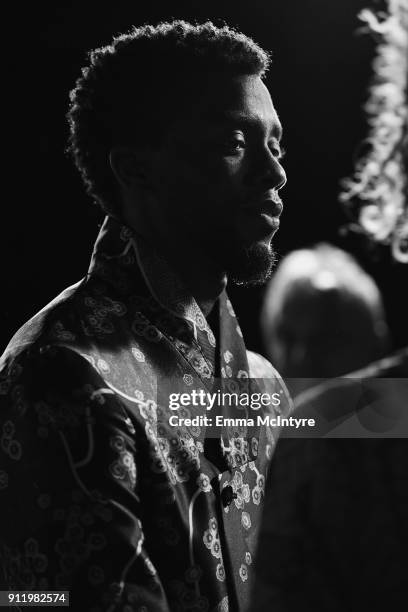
(138, 355)
(188, 379)
(228, 356)
(97, 541)
(10, 446)
(124, 466)
(44, 501)
(211, 538)
(117, 443)
(8, 429)
(211, 338)
(260, 481)
(193, 574)
(242, 374)
(256, 495)
(220, 572)
(243, 572)
(246, 520)
(203, 482)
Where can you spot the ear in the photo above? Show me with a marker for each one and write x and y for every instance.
(130, 167)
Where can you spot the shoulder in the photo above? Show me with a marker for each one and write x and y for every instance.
(52, 395)
(53, 322)
(44, 368)
(261, 368)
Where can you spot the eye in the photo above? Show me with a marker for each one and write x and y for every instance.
(234, 145)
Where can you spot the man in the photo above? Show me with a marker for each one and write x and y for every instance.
(176, 137)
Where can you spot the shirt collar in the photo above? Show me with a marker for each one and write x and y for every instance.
(123, 258)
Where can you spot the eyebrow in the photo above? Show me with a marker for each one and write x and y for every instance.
(238, 118)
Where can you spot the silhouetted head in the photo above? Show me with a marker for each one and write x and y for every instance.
(175, 132)
(322, 315)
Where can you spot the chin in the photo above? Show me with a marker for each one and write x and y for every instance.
(253, 265)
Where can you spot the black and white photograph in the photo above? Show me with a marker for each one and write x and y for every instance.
(203, 323)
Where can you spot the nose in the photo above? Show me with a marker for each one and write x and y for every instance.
(269, 171)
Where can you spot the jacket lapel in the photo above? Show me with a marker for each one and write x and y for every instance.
(238, 441)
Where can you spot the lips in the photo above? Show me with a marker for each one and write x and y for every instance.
(268, 206)
(260, 220)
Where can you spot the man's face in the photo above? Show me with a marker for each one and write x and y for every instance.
(217, 178)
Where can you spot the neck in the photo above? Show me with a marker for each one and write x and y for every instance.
(202, 277)
(200, 274)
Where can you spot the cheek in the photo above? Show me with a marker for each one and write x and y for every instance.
(222, 171)
(208, 186)
(218, 182)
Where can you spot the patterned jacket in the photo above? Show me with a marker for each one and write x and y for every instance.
(98, 494)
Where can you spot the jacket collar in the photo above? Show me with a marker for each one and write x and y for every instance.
(125, 258)
(127, 261)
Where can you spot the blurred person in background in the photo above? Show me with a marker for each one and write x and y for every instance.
(335, 523)
(322, 317)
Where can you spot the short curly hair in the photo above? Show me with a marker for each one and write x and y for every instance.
(144, 74)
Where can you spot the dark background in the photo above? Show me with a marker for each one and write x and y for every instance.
(318, 83)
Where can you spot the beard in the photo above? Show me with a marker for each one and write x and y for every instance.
(248, 265)
(251, 266)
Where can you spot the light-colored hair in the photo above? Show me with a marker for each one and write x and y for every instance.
(378, 191)
(320, 299)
